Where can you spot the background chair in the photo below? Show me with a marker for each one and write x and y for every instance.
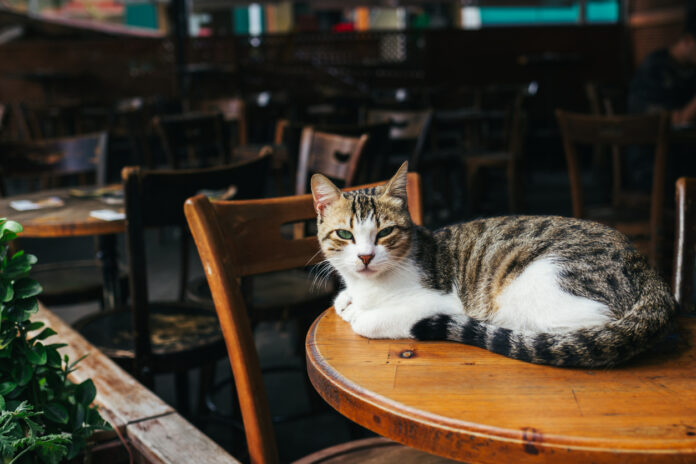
(408, 134)
(508, 159)
(644, 226)
(685, 244)
(336, 156)
(242, 238)
(193, 140)
(148, 338)
(80, 160)
(234, 113)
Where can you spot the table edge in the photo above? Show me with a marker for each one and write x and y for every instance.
(345, 392)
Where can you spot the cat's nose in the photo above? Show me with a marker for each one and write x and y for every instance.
(366, 258)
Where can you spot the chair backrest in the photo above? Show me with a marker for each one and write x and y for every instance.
(155, 199)
(241, 238)
(193, 139)
(406, 126)
(232, 109)
(336, 156)
(685, 244)
(619, 131)
(83, 154)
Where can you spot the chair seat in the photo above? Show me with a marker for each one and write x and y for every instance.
(372, 451)
(72, 282)
(273, 290)
(175, 328)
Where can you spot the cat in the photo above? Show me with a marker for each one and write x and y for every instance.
(543, 289)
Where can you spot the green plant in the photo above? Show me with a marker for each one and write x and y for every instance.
(45, 417)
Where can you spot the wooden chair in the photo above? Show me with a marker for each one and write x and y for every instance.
(508, 159)
(644, 227)
(148, 338)
(335, 156)
(408, 134)
(193, 139)
(685, 244)
(372, 165)
(236, 239)
(50, 162)
(233, 111)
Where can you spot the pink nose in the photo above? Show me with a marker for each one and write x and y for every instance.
(366, 258)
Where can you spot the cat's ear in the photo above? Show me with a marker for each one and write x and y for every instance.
(396, 187)
(324, 192)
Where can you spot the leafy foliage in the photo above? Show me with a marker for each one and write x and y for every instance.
(44, 417)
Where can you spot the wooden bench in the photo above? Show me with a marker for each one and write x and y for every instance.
(152, 429)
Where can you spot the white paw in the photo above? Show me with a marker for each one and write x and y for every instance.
(342, 302)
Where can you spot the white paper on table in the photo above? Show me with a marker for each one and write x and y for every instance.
(28, 205)
(107, 215)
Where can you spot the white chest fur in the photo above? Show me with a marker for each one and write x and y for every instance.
(389, 305)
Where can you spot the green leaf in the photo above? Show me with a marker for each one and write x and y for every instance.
(6, 290)
(44, 334)
(18, 266)
(79, 418)
(7, 387)
(9, 227)
(34, 326)
(2, 403)
(21, 310)
(86, 392)
(37, 354)
(52, 357)
(26, 288)
(22, 373)
(56, 412)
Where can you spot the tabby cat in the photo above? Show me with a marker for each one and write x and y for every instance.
(543, 289)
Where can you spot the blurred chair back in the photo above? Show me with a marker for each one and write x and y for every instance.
(619, 131)
(685, 244)
(233, 111)
(193, 140)
(409, 127)
(236, 239)
(55, 158)
(336, 156)
(155, 199)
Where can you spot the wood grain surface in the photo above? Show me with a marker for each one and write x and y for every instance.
(469, 404)
(69, 220)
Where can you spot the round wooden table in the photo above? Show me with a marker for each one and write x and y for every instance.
(469, 404)
(71, 220)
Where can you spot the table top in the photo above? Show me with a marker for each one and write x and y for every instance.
(71, 219)
(467, 403)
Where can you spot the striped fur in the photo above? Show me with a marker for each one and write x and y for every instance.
(417, 273)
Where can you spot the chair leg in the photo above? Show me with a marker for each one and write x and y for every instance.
(206, 382)
(181, 386)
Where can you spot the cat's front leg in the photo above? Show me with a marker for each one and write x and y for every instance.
(380, 324)
(343, 304)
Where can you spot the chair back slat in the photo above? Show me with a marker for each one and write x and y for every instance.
(241, 238)
(685, 243)
(336, 156)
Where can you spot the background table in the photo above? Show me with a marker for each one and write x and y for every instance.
(467, 403)
(72, 220)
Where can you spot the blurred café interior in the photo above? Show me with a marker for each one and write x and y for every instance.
(567, 107)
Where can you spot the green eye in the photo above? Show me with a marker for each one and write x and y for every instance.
(384, 232)
(344, 234)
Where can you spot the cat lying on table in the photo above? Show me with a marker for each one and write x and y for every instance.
(543, 289)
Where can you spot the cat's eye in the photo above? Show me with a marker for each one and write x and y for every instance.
(344, 234)
(384, 232)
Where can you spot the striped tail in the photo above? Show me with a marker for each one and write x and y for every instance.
(646, 323)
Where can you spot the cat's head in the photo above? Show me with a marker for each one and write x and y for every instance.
(363, 233)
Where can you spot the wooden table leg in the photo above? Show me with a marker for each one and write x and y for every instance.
(108, 256)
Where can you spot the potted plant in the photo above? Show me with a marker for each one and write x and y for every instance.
(44, 417)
